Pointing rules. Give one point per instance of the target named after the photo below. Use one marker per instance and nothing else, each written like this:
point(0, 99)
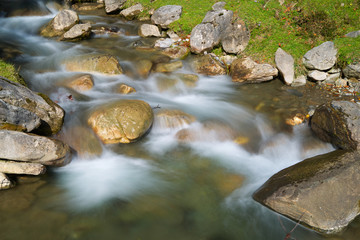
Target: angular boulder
point(352, 71)
point(105, 64)
point(208, 65)
point(112, 6)
point(321, 192)
point(317, 75)
point(80, 83)
point(18, 146)
point(322, 57)
point(165, 15)
point(21, 101)
point(62, 22)
point(285, 64)
point(77, 32)
point(236, 37)
point(28, 168)
point(248, 71)
point(149, 30)
point(131, 12)
point(176, 52)
point(123, 121)
point(338, 122)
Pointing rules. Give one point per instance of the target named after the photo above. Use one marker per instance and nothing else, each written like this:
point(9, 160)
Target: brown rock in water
point(321, 192)
point(208, 65)
point(12, 167)
point(168, 67)
point(189, 80)
point(247, 71)
point(172, 119)
point(80, 83)
point(62, 22)
point(125, 89)
point(105, 64)
point(123, 121)
point(338, 122)
point(177, 52)
point(5, 182)
point(143, 67)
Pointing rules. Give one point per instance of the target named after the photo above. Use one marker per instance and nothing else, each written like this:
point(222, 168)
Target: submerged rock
point(208, 65)
point(125, 89)
point(19, 102)
point(338, 122)
point(5, 182)
point(105, 64)
point(248, 71)
point(322, 57)
point(25, 147)
point(62, 22)
point(165, 15)
point(80, 83)
point(168, 67)
point(123, 121)
point(321, 192)
point(172, 119)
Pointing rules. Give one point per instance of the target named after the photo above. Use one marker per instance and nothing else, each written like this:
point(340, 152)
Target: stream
point(156, 188)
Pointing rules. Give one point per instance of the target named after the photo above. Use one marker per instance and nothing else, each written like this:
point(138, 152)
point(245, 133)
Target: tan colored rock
point(144, 67)
point(208, 65)
point(105, 64)
point(248, 71)
point(78, 32)
point(177, 52)
point(149, 30)
point(27, 168)
point(125, 89)
point(5, 182)
point(80, 82)
point(168, 67)
point(123, 121)
point(62, 22)
point(132, 12)
point(172, 119)
point(189, 80)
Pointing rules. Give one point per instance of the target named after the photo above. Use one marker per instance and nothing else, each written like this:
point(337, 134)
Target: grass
point(8, 71)
point(294, 27)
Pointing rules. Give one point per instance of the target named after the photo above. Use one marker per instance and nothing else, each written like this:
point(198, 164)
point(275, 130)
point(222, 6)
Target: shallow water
point(158, 187)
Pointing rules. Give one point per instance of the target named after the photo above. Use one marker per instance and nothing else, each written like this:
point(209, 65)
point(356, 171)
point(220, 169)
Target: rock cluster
point(23, 113)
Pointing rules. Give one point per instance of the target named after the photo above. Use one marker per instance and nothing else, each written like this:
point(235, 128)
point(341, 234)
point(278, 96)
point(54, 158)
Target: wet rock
point(285, 65)
point(168, 67)
point(113, 6)
point(236, 37)
point(165, 15)
point(208, 65)
point(209, 131)
point(27, 103)
point(338, 122)
point(125, 89)
point(28, 168)
point(5, 182)
point(87, 6)
point(248, 71)
point(132, 12)
point(25, 147)
point(189, 80)
point(353, 34)
point(143, 67)
point(123, 121)
point(149, 30)
point(165, 83)
point(322, 57)
point(62, 22)
point(163, 43)
point(105, 64)
point(317, 75)
point(177, 52)
point(321, 192)
point(172, 119)
point(299, 81)
point(80, 83)
point(77, 32)
point(352, 71)
point(295, 120)
point(228, 59)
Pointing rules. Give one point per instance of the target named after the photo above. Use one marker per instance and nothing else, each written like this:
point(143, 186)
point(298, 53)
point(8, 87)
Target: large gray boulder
point(338, 122)
point(112, 6)
point(132, 12)
point(247, 71)
point(352, 71)
point(78, 32)
point(165, 15)
point(18, 146)
point(285, 65)
point(62, 22)
point(321, 192)
point(24, 108)
point(322, 57)
point(209, 32)
point(236, 37)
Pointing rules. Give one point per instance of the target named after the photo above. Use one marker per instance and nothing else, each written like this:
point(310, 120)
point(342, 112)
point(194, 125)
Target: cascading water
point(159, 187)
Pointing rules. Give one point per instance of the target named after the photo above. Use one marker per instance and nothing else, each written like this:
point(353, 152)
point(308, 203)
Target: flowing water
point(158, 187)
